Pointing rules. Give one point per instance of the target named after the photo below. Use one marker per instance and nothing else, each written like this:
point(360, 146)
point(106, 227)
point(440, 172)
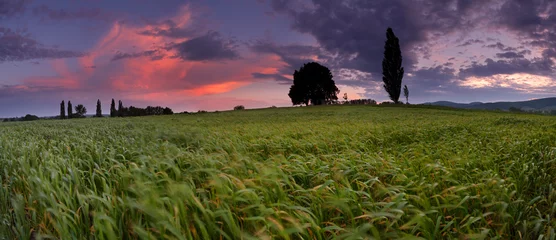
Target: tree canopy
point(313, 84)
point(392, 70)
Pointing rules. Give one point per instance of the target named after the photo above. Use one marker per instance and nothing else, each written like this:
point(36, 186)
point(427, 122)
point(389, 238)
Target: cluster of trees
point(122, 111)
point(80, 110)
point(361, 102)
point(27, 117)
point(132, 111)
point(313, 83)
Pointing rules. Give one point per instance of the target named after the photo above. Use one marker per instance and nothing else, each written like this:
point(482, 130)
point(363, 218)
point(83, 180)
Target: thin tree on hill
point(113, 109)
point(70, 110)
point(62, 110)
point(406, 94)
point(392, 70)
point(99, 109)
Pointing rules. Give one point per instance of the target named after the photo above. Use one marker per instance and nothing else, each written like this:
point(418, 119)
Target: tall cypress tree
point(392, 70)
point(62, 110)
point(99, 109)
point(70, 110)
point(113, 109)
point(120, 108)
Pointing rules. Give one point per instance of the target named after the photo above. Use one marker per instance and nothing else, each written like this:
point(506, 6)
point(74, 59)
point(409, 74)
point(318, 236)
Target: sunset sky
point(215, 54)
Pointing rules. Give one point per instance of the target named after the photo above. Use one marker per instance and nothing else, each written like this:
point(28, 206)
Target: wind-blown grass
point(343, 172)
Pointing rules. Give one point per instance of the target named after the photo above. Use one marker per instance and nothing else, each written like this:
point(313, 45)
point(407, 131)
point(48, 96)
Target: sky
point(216, 54)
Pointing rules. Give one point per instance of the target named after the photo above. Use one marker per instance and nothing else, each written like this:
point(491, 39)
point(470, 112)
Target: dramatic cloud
point(153, 54)
point(15, 46)
point(210, 46)
point(490, 67)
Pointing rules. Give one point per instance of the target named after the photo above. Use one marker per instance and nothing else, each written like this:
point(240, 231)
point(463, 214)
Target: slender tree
point(70, 110)
point(113, 109)
point(62, 110)
point(120, 108)
point(392, 70)
point(406, 94)
point(99, 109)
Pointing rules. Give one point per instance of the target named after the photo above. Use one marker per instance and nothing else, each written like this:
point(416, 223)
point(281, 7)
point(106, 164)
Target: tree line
point(121, 111)
point(313, 83)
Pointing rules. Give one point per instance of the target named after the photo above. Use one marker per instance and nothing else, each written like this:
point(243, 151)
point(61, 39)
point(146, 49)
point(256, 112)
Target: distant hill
point(537, 105)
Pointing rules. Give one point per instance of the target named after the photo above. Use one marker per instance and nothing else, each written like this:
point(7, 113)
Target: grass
point(332, 172)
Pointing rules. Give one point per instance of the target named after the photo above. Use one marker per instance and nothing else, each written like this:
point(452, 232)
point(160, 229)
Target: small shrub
point(239, 107)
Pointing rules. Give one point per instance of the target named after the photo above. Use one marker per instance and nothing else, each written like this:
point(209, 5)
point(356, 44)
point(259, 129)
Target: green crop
point(331, 172)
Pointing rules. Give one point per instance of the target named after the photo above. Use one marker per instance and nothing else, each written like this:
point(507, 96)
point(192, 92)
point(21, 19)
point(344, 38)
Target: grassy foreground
point(343, 172)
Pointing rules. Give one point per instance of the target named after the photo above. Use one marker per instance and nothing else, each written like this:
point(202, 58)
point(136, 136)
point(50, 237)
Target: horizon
point(213, 55)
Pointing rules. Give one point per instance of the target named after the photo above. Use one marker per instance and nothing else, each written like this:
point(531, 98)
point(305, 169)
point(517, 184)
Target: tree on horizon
point(62, 110)
point(313, 84)
point(99, 109)
point(80, 111)
point(113, 108)
point(392, 70)
point(120, 108)
point(70, 110)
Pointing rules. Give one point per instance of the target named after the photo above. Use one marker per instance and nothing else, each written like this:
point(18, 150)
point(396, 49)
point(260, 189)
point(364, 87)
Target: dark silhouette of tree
point(406, 94)
point(121, 110)
point(62, 110)
point(113, 109)
point(392, 70)
point(30, 117)
point(70, 110)
point(313, 84)
point(167, 111)
point(239, 107)
point(345, 97)
point(80, 111)
point(99, 109)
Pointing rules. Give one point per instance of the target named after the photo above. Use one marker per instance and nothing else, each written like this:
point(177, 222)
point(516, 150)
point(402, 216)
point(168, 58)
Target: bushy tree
point(392, 70)
point(313, 84)
point(239, 107)
point(62, 110)
point(80, 111)
point(113, 108)
point(70, 110)
point(99, 109)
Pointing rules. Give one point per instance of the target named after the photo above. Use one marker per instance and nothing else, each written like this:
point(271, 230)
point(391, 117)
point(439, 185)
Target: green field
point(331, 172)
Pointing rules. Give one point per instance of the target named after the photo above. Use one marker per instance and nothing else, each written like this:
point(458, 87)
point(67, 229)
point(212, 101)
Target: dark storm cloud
point(279, 78)
point(211, 46)
point(358, 27)
point(294, 56)
point(16, 46)
point(153, 54)
point(490, 67)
